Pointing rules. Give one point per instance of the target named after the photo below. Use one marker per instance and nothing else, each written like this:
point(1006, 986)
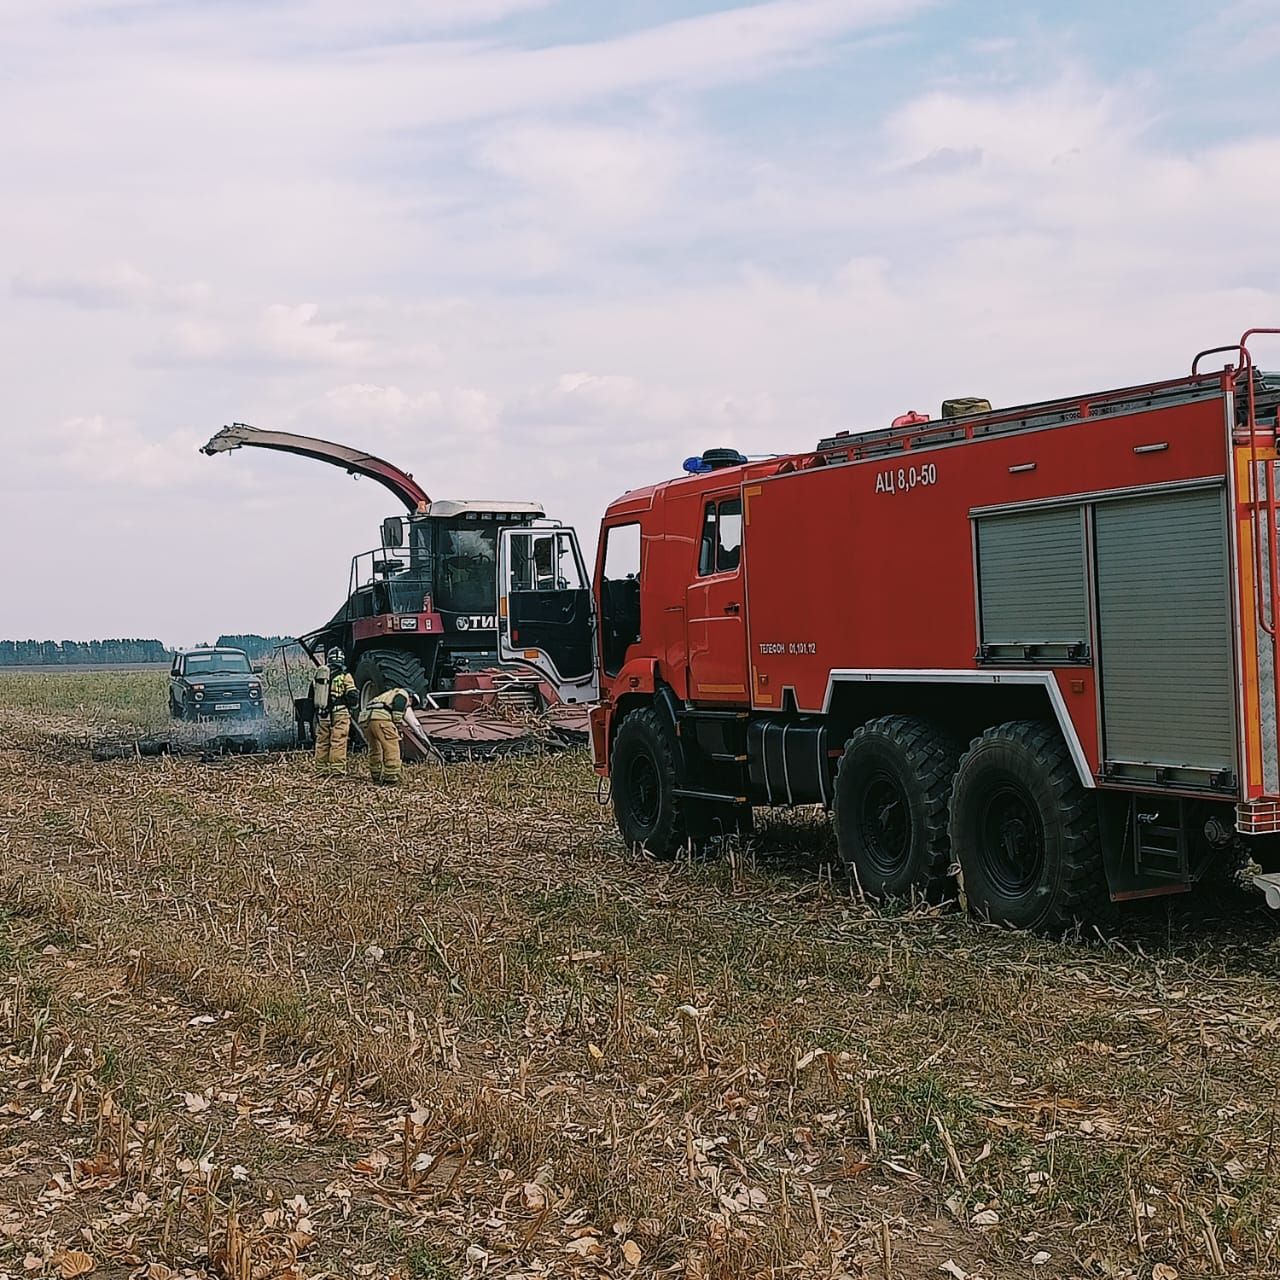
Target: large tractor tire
point(1025, 831)
point(645, 777)
point(378, 670)
point(890, 808)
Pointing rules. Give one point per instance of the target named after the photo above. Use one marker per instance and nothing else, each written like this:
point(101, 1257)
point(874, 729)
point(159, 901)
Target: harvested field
point(110, 712)
point(255, 1024)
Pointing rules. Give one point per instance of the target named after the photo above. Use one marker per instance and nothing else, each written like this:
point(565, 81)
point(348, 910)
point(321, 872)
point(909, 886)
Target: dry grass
point(475, 1036)
point(49, 711)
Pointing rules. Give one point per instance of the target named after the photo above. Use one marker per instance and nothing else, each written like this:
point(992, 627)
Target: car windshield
point(203, 664)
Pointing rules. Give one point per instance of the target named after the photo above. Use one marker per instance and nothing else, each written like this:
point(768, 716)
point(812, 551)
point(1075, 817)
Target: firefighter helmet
point(337, 660)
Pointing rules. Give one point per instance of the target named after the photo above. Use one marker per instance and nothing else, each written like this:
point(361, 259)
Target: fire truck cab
point(1026, 657)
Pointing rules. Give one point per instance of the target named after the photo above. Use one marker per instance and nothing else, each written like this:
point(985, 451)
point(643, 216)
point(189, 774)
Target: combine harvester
point(421, 613)
point(1026, 655)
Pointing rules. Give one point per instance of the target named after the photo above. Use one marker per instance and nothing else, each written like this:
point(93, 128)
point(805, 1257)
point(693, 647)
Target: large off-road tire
point(381, 669)
point(645, 777)
point(1025, 831)
point(890, 808)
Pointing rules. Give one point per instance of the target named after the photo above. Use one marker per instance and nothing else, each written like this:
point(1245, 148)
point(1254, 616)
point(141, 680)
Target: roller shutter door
point(1032, 581)
point(1164, 628)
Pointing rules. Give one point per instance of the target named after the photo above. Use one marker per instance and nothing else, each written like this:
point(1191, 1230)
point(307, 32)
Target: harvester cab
point(421, 607)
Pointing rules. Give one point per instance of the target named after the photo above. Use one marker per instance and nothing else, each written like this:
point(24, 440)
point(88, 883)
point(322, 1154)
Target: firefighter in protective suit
point(380, 723)
point(334, 694)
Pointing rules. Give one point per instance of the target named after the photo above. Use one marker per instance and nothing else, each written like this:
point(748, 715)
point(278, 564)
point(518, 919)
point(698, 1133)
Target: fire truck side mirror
point(393, 532)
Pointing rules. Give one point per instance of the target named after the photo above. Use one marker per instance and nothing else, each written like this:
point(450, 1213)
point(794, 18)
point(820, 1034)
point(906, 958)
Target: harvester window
point(568, 574)
point(545, 563)
point(721, 547)
point(467, 568)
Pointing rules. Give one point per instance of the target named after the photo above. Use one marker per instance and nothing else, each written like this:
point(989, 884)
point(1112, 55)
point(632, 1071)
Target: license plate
point(226, 706)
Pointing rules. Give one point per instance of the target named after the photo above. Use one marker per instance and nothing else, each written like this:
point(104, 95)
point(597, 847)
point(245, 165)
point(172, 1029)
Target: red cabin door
point(716, 606)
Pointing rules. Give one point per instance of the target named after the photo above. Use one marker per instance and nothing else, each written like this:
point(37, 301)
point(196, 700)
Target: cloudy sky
point(545, 249)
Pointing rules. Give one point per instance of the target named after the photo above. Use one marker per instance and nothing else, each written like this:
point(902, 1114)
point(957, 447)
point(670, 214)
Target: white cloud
point(103, 451)
point(633, 409)
point(320, 19)
point(589, 172)
point(1054, 133)
point(280, 336)
point(458, 415)
point(293, 333)
point(117, 286)
point(262, 102)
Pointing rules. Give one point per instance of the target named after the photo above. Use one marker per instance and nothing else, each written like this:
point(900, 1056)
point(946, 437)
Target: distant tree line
point(257, 647)
point(89, 653)
point(52, 653)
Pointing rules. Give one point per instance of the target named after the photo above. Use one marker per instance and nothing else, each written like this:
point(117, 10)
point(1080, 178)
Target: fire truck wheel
point(890, 807)
point(648, 813)
point(1025, 831)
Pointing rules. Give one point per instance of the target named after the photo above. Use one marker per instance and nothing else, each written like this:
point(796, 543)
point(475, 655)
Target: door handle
point(732, 608)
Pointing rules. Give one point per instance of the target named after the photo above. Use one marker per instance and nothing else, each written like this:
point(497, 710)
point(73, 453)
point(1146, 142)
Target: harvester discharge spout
point(354, 461)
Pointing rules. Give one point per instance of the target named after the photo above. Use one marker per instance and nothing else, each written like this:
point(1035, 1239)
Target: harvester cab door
point(545, 609)
point(715, 605)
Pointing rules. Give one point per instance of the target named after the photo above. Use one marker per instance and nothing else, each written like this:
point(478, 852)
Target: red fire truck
point(1026, 655)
